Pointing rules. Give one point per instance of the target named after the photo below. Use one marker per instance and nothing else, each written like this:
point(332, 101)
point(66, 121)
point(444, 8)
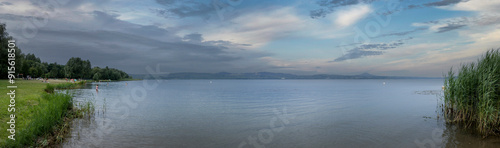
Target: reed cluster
point(472, 97)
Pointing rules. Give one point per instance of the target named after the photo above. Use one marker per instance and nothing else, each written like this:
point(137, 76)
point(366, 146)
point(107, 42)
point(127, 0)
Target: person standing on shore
point(97, 88)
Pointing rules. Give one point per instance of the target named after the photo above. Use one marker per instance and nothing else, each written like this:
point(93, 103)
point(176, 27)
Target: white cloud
point(477, 5)
point(19, 8)
point(262, 27)
point(351, 15)
point(257, 28)
point(434, 59)
point(477, 21)
point(484, 38)
point(485, 13)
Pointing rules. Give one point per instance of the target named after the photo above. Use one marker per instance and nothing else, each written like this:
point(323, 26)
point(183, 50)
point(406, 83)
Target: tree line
point(30, 65)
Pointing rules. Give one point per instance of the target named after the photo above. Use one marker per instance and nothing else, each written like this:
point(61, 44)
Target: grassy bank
point(40, 116)
point(472, 97)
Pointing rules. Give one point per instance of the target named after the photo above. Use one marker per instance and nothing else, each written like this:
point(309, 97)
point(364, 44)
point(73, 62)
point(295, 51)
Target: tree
point(86, 69)
point(33, 72)
point(77, 68)
point(55, 70)
point(97, 76)
point(4, 42)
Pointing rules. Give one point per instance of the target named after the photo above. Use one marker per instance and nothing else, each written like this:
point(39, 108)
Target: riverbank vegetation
point(472, 97)
point(50, 87)
point(42, 119)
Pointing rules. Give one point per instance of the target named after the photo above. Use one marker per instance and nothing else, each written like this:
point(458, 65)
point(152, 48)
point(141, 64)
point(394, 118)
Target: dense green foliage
point(30, 65)
point(4, 38)
point(77, 68)
point(473, 96)
point(108, 73)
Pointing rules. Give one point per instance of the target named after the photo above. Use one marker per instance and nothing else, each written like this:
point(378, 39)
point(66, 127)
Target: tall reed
point(472, 97)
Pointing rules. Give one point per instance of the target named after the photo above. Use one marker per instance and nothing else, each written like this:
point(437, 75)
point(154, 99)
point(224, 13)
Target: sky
point(380, 37)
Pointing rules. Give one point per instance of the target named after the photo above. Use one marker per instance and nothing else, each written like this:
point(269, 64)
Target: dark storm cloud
point(369, 50)
point(108, 41)
point(127, 51)
point(450, 27)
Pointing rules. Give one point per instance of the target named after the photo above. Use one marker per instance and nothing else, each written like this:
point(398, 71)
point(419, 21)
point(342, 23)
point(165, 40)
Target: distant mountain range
point(267, 75)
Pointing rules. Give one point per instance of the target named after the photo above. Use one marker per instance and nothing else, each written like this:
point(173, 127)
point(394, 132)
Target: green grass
point(472, 97)
point(38, 114)
point(27, 97)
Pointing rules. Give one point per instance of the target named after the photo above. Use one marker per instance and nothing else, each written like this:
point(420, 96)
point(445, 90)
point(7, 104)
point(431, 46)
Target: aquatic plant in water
point(472, 97)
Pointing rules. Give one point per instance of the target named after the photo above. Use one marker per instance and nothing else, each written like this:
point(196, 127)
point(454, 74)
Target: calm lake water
point(267, 113)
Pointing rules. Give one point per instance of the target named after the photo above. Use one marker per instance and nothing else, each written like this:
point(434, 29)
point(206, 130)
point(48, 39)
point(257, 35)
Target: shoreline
point(42, 119)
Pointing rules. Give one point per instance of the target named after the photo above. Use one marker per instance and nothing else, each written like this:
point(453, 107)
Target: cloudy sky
point(382, 37)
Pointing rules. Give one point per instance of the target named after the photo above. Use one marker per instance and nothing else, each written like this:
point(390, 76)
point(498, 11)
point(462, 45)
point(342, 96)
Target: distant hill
point(267, 75)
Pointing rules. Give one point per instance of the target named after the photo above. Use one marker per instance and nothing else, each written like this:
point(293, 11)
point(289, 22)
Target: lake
point(268, 113)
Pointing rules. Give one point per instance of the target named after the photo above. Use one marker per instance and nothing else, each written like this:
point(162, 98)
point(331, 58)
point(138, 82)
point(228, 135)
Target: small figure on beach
point(97, 88)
